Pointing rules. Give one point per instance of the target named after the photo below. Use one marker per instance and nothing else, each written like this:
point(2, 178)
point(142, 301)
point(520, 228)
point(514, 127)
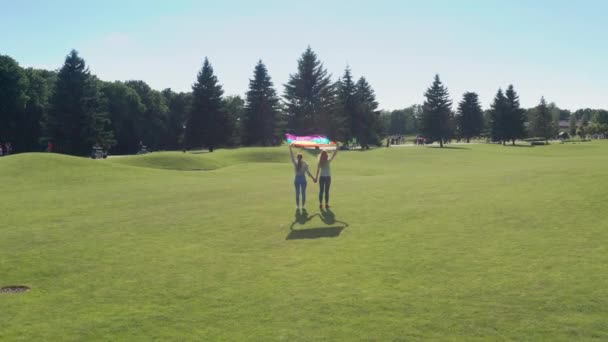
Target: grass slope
point(202, 161)
point(476, 243)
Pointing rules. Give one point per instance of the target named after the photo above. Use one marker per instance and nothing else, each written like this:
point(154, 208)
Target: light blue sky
point(553, 48)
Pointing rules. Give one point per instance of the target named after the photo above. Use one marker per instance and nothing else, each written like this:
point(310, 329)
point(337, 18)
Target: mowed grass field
point(479, 242)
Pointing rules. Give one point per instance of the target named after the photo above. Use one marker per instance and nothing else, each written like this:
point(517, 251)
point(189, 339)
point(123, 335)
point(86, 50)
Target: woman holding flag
point(325, 179)
point(301, 169)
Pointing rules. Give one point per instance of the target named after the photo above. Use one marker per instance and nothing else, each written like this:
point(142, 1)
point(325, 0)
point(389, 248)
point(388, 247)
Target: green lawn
point(479, 242)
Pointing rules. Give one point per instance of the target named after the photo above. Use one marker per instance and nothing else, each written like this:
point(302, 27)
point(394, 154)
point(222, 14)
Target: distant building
point(564, 125)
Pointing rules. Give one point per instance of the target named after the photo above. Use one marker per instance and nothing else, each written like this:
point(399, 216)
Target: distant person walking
point(301, 170)
point(323, 167)
point(49, 147)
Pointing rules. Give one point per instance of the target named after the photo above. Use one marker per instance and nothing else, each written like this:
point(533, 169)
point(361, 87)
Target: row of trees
point(75, 110)
point(585, 122)
point(504, 122)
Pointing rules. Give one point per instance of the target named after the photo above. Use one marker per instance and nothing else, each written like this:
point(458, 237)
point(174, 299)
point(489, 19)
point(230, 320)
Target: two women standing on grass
point(325, 178)
point(301, 170)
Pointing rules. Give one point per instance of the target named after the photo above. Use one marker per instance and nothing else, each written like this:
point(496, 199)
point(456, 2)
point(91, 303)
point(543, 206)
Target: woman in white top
point(325, 179)
point(301, 169)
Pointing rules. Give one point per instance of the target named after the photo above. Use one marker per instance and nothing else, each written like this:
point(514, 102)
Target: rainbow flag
point(309, 141)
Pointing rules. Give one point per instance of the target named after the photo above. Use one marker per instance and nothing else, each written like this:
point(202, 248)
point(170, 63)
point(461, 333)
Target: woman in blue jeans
point(301, 169)
point(325, 179)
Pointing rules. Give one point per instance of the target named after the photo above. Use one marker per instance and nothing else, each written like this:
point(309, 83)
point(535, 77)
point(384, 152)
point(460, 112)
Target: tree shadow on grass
point(450, 147)
point(518, 145)
point(333, 229)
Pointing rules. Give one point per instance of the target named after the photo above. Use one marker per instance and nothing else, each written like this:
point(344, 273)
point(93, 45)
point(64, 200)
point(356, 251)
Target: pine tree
point(346, 105)
point(572, 125)
point(470, 116)
point(366, 125)
point(437, 114)
point(515, 117)
point(498, 117)
point(262, 124)
point(77, 119)
point(542, 124)
point(13, 99)
point(309, 97)
point(207, 123)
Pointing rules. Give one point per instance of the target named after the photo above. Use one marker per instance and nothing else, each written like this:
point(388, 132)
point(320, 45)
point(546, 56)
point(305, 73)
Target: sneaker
point(327, 206)
point(320, 206)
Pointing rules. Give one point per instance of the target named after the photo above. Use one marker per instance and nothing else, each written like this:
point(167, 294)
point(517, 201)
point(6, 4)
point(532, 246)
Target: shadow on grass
point(333, 229)
point(450, 147)
point(518, 145)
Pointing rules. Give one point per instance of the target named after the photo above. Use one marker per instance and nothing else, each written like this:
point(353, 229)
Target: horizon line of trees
point(75, 110)
point(504, 122)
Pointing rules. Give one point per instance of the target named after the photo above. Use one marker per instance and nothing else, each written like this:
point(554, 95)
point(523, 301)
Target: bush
point(530, 140)
point(536, 142)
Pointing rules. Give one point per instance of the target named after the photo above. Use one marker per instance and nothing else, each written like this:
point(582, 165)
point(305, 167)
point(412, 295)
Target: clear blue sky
point(553, 48)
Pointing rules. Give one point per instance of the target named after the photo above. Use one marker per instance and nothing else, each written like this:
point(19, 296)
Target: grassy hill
point(471, 243)
point(203, 161)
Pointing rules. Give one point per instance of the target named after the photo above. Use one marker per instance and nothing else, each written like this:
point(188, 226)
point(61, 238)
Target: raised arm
point(335, 152)
point(293, 160)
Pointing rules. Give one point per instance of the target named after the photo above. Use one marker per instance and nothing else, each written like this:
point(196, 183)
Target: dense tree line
point(75, 110)
point(401, 121)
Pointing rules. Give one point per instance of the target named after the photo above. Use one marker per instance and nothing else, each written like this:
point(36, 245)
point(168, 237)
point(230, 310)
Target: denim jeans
point(300, 184)
point(324, 183)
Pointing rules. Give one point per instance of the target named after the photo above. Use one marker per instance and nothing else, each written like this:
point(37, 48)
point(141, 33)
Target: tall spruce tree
point(77, 119)
point(542, 124)
point(469, 117)
point(13, 98)
point(207, 122)
point(498, 117)
point(346, 105)
point(515, 117)
point(436, 120)
point(366, 125)
point(263, 124)
point(310, 98)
